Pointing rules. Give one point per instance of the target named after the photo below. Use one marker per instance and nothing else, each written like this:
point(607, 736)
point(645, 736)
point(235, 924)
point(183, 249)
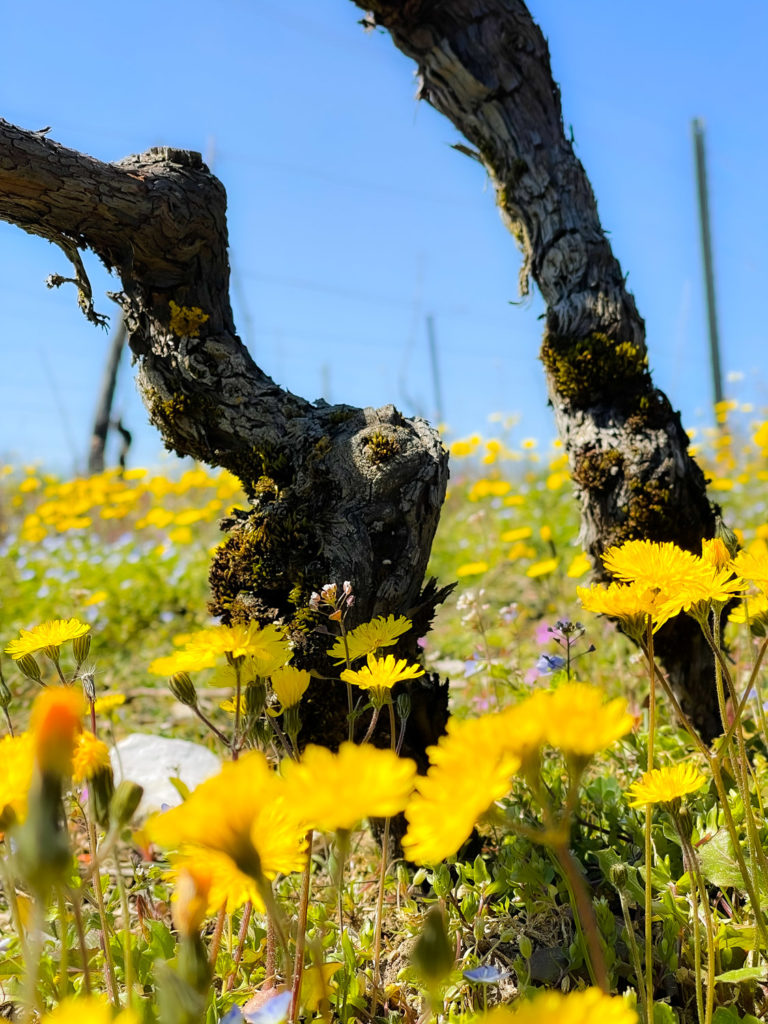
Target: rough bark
point(336, 493)
point(485, 65)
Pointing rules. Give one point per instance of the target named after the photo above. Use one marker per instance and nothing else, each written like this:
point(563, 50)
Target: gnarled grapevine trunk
point(337, 493)
point(485, 65)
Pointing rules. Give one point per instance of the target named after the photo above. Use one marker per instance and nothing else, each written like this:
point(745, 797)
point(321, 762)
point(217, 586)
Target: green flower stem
point(634, 953)
point(236, 663)
point(379, 915)
point(242, 935)
point(584, 915)
point(342, 848)
point(648, 854)
point(213, 950)
point(127, 936)
point(372, 726)
point(350, 700)
point(691, 862)
point(285, 743)
point(269, 960)
point(9, 886)
point(757, 857)
point(301, 932)
point(109, 966)
point(681, 715)
point(217, 732)
point(751, 682)
point(382, 876)
point(31, 999)
point(8, 722)
point(64, 946)
point(738, 852)
point(75, 903)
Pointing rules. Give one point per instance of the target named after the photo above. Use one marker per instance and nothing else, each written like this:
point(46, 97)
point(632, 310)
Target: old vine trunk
point(336, 493)
point(485, 65)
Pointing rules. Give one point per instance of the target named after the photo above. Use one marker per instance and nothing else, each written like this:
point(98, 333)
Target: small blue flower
point(485, 975)
point(274, 1011)
point(548, 663)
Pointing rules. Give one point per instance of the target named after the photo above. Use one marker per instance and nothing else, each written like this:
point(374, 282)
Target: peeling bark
point(337, 493)
point(485, 65)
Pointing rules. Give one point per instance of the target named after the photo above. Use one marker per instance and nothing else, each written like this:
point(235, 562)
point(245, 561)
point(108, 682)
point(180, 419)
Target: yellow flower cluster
point(132, 498)
point(659, 581)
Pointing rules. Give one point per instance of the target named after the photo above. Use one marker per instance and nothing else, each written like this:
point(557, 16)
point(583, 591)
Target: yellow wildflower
point(189, 902)
point(289, 685)
point(715, 553)
point(631, 603)
point(182, 661)
point(471, 569)
point(230, 706)
point(334, 791)
point(589, 1006)
point(470, 769)
point(17, 759)
point(381, 674)
point(578, 721)
point(753, 566)
point(267, 647)
point(47, 637)
point(580, 565)
point(90, 757)
point(368, 637)
point(87, 1010)
point(665, 785)
point(229, 887)
point(109, 702)
point(543, 568)
point(241, 812)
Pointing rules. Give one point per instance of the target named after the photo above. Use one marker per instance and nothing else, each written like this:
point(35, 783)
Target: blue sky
point(351, 219)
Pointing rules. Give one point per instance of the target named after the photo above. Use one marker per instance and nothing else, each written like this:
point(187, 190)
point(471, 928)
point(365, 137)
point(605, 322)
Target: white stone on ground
point(152, 761)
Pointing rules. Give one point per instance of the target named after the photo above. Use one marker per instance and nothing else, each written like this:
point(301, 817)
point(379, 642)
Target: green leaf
point(180, 786)
point(664, 1014)
point(719, 863)
point(742, 974)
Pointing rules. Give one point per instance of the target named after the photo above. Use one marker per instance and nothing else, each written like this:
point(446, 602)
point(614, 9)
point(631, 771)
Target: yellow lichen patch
point(186, 321)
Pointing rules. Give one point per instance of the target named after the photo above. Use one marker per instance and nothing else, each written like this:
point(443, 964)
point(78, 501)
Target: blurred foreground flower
point(336, 791)
point(17, 759)
point(590, 1006)
point(241, 812)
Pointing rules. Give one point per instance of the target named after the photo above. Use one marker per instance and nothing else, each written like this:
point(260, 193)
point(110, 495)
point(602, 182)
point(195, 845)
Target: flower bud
point(183, 689)
point(5, 694)
point(29, 667)
point(619, 876)
point(403, 705)
point(89, 686)
point(125, 800)
point(727, 536)
point(81, 645)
